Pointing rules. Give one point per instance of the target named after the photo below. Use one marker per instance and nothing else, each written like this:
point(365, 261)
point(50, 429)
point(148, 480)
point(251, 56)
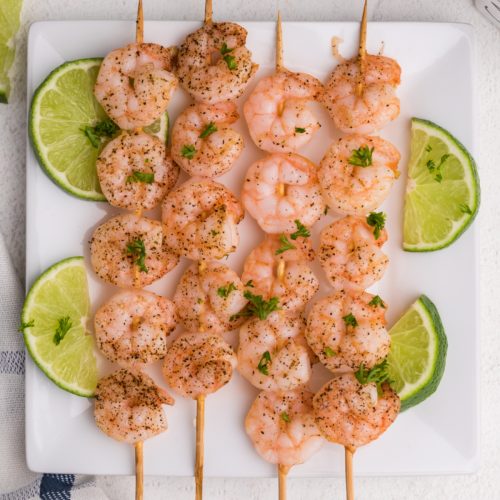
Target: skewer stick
point(282, 473)
point(139, 30)
point(139, 471)
point(200, 428)
point(362, 51)
point(279, 44)
point(349, 482)
point(208, 11)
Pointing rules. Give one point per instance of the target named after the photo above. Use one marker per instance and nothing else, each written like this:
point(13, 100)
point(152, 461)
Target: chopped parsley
point(428, 148)
point(329, 352)
point(208, 130)
point(225, 49)
point(285, 245)
point(377, 221)
point(106, 128)
point(300, 130)
point(230, 60)
point(257, 306)
point(147, 178)
point(188, 151)
point(350, 320)
point(361, 157)
point(63, 327)
point(464, 208)
point(23, 326)
point(302, 231)
point(137, 250)
point(285, 417)
point(249, 284)
point(377, 375)
point(377, 302)
point(436, 169)
point(224, 291)
point(264, 362)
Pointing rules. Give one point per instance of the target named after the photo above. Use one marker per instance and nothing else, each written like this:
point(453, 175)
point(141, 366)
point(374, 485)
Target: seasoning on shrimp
point(205, 154)
point(132, 327)
point(135, 84)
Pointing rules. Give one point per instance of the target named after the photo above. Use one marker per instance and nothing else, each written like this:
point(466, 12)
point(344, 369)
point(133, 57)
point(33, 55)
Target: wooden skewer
point(282, 473)
point(208, 11)
point(362, 51)
point(139, 30)
point(349, 482)
point(200, 428)
point(139, 471)
point(279, 44)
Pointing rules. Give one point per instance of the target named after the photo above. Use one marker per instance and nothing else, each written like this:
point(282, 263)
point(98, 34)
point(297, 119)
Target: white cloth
point(13, 474)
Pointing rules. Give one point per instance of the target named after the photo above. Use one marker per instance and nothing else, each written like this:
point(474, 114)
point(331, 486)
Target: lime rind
point(41, 151)
point(432, 190)
point(413, 393)
point(77, 341)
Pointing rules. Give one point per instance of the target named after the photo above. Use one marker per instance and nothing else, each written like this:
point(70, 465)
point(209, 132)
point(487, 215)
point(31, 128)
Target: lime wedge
point(159, 128)
point(10, 11)
point(53, 321)
point(418, 353)
point(442, 194)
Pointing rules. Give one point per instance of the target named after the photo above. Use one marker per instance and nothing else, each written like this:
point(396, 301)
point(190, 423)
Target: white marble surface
point(485, 485)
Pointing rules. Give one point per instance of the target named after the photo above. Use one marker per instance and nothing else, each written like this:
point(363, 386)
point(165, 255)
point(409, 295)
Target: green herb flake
point(302, 231)
point(224, 291)
point(377, 375)
point(350, 320)
point(329, 352)
point(361, 157)
point(225, 49)
point(137, 250)
point(285, 417)
point(249, 284)
point(285, 245)
point(257, 306)
point(464, 208)
point(231, 62)
point(377, 302)
point(208, 130)
point(436, 169)
point(147, 178)
point(23, 326)
point(300, 130)
point(106, 128)
point(377, 221)
point(188, 151)
point(428, 148)
point(63, 327)
point(263, 365)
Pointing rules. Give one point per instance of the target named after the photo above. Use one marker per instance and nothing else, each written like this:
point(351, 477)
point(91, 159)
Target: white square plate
point(440, 435)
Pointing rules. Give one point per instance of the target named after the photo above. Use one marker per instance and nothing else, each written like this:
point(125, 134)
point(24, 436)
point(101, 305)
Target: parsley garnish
point(361, 157)
point(63, 327)
point(257, 306)
point(377, 375)
point(263, 363)
point(106, 128)
point(225, 49)
point(285, 245)
point(350, 320)
point(230, 60)
point(329, 352)
point(465, 209)
point(301, 232)
point(137, 249)
point(224, 291)
point(188, 151)
point(23, 326)
point(300, 130)
point(214, 233)
point(428, 148)
point(377, 301)
point(377, 221)
point(285, 417)
point(147, 178)
point(208, 130)
point(436, 169)
point(249, 284)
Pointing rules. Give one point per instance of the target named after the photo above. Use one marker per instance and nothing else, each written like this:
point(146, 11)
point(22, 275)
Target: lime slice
point(54, 320)
point(159, 128)
point(10, 11)
point(418, 353)
point(442, 194)
point(62, 107)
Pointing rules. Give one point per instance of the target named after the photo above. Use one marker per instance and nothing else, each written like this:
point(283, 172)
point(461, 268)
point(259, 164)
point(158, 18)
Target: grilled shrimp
point(347, 330)
point(357, 173)
point(135, 84)
point(352, 414)
point(213, 64)
point(132, 328)
point(135, 171)
point(128, 406)
point(130, 251)
point(280, 189)
point(208, 297)
point(375, 107)
point(198, 364)
point(350, 253)
point(273, 354)
point(200, 218)
point(203, 143)
point(282, 428)
point(285, 275)
point(277, 113)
